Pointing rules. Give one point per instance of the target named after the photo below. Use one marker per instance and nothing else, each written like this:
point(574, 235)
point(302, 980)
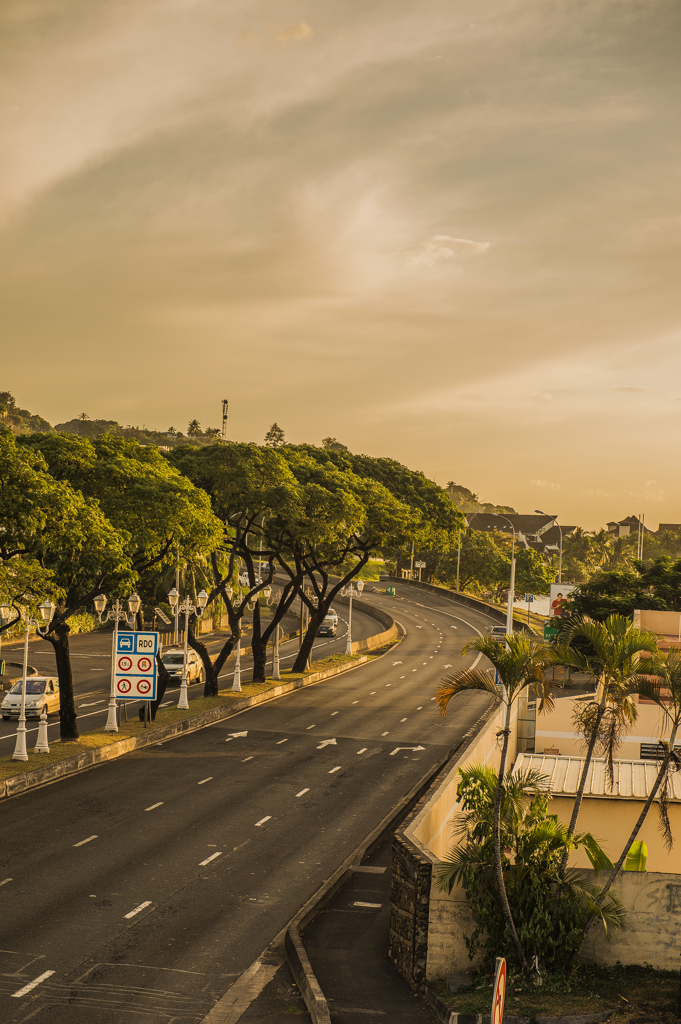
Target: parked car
point(42, 694)
point(329, 627)
point(245, 582)
point(498, 633)
point(173, 661)
point(384, 577)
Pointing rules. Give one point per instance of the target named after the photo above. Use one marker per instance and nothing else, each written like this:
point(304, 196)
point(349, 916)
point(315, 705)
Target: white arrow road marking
point(32, 984)
point(397, 750)
point(137, 909)
point(453, 627)
point(397, 663)
point(448, 666)
point(236, 735)
point(81, 843)
point(203, 863)
point(327, 743)
point(419, 627)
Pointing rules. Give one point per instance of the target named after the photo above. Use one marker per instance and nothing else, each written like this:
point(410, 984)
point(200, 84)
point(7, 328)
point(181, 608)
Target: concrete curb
point(88, 759)
point(296, 953)
point(449, 1016)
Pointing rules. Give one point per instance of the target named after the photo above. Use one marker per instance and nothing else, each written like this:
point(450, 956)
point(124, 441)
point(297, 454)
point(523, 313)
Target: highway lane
point(91, 663)
point(149, 884)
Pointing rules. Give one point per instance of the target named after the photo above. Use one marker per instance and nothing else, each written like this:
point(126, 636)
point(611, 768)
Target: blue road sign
point(135, 666)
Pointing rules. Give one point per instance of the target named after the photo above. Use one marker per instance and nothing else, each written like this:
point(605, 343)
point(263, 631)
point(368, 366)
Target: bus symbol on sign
point(135, 668)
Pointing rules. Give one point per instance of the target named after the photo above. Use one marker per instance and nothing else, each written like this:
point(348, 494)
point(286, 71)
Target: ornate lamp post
point(46, 610)
point(116, 614)
point(188, 608)
point(349, 591)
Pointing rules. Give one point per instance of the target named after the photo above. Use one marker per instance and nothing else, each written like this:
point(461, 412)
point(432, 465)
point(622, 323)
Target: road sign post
point(499, 991)
point(135, 666)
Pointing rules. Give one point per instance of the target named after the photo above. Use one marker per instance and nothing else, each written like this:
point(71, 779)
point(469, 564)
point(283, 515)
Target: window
point(654, 751)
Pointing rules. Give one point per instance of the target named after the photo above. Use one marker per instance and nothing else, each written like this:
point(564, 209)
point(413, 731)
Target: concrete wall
point(371, 643)
point(667, 623)
point(653, 932)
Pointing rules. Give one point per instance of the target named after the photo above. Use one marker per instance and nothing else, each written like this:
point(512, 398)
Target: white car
point(42, 694)
point(329, 627)
point(174, 660)
point(245, 582)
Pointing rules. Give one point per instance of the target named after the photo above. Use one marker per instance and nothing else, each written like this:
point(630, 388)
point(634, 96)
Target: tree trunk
point(496, 834)
point(161, 687)
point(59, 638)
point(211, 669)
point(316, 619)
point(580, 792)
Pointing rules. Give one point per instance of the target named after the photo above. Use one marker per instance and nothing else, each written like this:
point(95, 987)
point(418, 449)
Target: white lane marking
point(336, 769)
point(327, 743)
point(433, 698)
point(431, 658)
point(82, 842)
point(137, 909)
point(397, 663)
point(414, 670)
point(373, 692)
point(311, 727)
point(236, 735)
point(374, 906)
point(453, 627)
point(262, 821)
point(333, 713)
point(32, 984)
point(279, 742)
point(419, 627)
point(91, 704)
point(420, 709)
point(355, 702)
point(248, 759)
point(203, 863)
point(167, 704)
point(384, 734)
point(425, 662)
point(388, 684)
point(362, 751)
point(397, 750)
point(204, 780)
point(403, 677)
point(154, 806)
point(5, 881)
point(403, 719)
point(303, 792)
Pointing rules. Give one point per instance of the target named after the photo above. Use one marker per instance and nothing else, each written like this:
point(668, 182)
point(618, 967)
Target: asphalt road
point(91, 667)
point(140, 890)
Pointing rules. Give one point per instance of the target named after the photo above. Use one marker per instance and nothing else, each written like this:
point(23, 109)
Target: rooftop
point(633, 779)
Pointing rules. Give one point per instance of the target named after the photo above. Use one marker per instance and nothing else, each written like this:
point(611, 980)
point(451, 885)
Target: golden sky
point(445, 231)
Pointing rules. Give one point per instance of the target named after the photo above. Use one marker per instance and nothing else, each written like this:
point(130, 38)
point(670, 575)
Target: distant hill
point(466, 501)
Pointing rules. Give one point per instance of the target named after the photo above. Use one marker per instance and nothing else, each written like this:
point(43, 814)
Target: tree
point(532, 841)
point(532, 574)
point(611, 652)
point(194, 428)
point(520, 663)
point(332, 444)
point(275, 437)
point(482, 562)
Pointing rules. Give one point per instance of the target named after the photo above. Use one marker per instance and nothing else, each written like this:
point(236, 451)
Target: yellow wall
point(555, 730)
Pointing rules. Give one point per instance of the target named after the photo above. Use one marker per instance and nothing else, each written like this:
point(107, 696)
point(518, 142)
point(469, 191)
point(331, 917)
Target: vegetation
point(550, 911)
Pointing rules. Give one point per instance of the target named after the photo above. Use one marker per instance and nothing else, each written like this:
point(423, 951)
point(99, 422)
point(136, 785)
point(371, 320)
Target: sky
point(444, 232)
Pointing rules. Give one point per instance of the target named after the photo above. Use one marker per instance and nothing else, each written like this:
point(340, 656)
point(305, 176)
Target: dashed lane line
point(263, 820)
point(362, 751)
point(303, 792)
point(32, 984)
point(137, 910)
point(204, 780)
point(336, 769)
point(154, 806)
point(279, 742)
point(81, 843)
point(203, 863)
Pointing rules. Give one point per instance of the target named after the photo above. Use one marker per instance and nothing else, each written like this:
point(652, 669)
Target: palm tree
point(611, 652)
point(519, 663)
point(665, 690)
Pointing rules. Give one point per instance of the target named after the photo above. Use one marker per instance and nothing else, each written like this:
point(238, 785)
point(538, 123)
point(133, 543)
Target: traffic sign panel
point(135, 666)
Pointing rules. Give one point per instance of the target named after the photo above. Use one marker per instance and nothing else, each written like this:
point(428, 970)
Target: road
point(140, 890)
point(91, 667)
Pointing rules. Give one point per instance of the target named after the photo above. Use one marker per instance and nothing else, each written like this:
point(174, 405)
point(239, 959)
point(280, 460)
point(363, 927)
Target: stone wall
point(409, 908)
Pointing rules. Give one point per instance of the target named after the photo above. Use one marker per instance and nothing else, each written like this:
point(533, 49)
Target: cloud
point(598, 492)
point(285, 34)
point(649, 492)
point(545, 485)
point(633, 388)
point(442, 248)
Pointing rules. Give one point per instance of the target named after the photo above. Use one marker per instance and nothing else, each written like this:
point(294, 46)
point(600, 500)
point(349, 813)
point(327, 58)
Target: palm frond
point(467, 679)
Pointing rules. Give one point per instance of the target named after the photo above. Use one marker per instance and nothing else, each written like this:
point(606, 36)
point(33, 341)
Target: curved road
point(140, 890)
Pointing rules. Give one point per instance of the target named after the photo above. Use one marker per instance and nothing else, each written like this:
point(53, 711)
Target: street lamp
point(560, 551)
point(46, 609)
point(188, 608)
point(349, 591)
point(511, 589)
point(116, 614)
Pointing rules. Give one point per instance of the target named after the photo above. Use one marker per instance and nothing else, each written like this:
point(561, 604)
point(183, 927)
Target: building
point(535, 531)
point(626, 527)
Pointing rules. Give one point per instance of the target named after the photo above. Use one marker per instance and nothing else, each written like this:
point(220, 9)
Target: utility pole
point(225, 408)
point(411, 570)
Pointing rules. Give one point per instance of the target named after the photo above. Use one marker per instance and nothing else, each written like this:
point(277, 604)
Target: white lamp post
point(349, 591)
point(116, 613)
point(46, 610)
point(189, 608)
